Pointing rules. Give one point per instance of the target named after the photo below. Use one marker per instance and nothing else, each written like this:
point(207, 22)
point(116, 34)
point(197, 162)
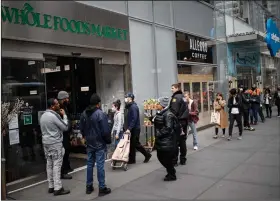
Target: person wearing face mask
point(277, 100)
point(117, 130)
point(63, 99)
point(133, 127)
point(235, 106)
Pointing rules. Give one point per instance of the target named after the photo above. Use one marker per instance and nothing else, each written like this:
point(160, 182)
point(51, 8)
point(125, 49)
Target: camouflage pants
point(54, 156)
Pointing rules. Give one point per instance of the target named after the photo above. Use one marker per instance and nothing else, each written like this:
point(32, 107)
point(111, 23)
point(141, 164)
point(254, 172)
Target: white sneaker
point(195, 148)
point(239, 138)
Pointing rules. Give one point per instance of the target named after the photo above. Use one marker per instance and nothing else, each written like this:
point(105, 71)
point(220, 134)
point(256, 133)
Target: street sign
point(27, 119)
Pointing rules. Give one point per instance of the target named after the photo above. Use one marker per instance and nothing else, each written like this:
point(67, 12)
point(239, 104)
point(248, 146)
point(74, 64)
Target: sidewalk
point(247, 169)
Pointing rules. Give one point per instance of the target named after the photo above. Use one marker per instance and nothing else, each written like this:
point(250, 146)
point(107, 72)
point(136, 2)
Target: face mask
point(126, 100)
point(114, 109)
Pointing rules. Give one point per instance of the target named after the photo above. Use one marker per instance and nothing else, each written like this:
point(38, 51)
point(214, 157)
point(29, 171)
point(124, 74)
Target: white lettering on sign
point(275, 38)
point(198, 45)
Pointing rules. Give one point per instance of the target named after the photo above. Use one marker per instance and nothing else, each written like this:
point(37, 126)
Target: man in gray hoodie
point(52, 127)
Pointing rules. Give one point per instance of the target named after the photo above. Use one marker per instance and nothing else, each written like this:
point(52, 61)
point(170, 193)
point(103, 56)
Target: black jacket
point(277, 98)
point(245, 99)
point(238, 103)
point(179, 107)
point(66, 134)
point(167, 131)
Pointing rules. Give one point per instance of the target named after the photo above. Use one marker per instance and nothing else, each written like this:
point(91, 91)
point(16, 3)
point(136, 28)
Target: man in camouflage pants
point(52, 127)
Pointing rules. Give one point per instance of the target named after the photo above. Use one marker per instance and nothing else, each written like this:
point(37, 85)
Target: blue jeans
point(194, 132)
point(255, 112)
point(97, 156)
point(118, 140)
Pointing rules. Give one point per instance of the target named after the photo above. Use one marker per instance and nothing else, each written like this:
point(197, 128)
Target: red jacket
point(194, 112)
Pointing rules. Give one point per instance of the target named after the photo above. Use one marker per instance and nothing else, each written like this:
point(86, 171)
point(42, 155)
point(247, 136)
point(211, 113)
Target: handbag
point(215, 118)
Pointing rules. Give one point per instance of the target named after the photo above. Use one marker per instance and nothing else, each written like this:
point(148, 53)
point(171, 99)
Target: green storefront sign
point(27, 16)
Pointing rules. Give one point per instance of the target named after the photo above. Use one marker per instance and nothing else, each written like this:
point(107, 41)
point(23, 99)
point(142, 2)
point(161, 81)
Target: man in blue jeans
point(94, 126)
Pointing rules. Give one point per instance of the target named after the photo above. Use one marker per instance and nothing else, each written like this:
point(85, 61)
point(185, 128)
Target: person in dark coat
point(268, 102)
point(63, 99)
point(235, 109)
point(277, 100)
point(178, 107)
point(166, 129)
point(245, 99)
point(133, 127)
point(95, 128)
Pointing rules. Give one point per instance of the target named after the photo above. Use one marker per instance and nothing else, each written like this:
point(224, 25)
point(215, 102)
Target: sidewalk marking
point(41, 182)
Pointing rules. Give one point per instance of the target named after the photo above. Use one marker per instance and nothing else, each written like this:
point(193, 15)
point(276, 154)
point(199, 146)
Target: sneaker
point(246, 128)
point(229, 138)
point(223, 136)
point(251, 129)
point(61, 192)
point(66, 176)
point(183, 162)
point(104, 191)
point(147, 158)
point(239, 138)
point(51, 190)
point(89, 189)
point(195, 148)
point(170, 178)
point(215, 136)
point(278, 116)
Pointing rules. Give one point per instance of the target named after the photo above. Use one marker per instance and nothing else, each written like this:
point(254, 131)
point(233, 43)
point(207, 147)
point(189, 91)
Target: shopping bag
point(215, 118)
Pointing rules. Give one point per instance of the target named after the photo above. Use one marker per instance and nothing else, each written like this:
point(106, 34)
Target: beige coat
point(219, 107)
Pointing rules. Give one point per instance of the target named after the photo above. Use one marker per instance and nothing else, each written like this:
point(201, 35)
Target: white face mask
point(126, 100)
point(114, 109)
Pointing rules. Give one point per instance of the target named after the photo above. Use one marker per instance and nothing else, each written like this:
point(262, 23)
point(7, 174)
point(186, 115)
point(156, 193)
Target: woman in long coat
point(219, 106)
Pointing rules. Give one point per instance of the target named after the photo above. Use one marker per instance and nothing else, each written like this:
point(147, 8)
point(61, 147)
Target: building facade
point(113, 47)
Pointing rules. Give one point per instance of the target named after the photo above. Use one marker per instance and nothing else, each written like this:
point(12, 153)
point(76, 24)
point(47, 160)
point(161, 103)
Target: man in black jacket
point(166, 129)
point(245, 99)
point(179, 108)
point(63, 99)
point(235, 109)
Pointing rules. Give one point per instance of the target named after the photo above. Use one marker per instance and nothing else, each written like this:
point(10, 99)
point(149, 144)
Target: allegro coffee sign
point(27, 16)
point(199, 47)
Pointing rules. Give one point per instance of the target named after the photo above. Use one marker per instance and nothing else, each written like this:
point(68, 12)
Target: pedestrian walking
point(95, 128)
point(193, 118)
point(219, 106)
point(268, 102)
point(133, 127)
point(235, 105)
point(117, 130)
point(260, 111)
point(63, 99)
point(166, 132)
point(179, 108)
point(277, 100)
point(52, 127)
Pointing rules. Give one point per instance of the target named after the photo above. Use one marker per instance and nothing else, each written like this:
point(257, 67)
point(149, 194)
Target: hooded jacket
point(167, 130)
point(95, 128)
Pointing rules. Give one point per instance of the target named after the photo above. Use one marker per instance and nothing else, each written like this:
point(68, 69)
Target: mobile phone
point(147, 114)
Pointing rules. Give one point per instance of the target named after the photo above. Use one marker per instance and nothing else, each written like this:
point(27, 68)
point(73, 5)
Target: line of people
point(244, 104)
point(177, 115)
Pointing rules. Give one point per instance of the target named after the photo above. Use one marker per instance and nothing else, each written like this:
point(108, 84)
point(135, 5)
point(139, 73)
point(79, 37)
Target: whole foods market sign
point(29, 17)
point(68, 22)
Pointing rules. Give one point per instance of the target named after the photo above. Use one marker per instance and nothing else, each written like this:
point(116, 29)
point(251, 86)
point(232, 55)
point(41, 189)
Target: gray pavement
point(219, 170)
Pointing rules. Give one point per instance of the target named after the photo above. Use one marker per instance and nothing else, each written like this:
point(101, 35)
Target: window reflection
point(23, 79)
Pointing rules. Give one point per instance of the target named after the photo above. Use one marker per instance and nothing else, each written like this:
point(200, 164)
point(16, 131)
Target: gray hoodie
point(52, 127)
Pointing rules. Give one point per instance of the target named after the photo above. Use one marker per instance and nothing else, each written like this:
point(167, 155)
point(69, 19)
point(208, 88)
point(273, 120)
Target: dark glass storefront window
point(24, 79)
point(193, 49)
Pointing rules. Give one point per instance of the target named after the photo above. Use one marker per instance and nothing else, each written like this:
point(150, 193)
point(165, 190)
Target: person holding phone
point(52, 127)
point(219, 106)
point(117, 130)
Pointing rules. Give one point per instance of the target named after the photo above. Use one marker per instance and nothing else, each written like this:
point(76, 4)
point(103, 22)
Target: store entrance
point(77, 77)
point(246, 76)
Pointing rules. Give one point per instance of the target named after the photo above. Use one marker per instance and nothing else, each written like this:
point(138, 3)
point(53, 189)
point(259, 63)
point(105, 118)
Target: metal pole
point(3, 171)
